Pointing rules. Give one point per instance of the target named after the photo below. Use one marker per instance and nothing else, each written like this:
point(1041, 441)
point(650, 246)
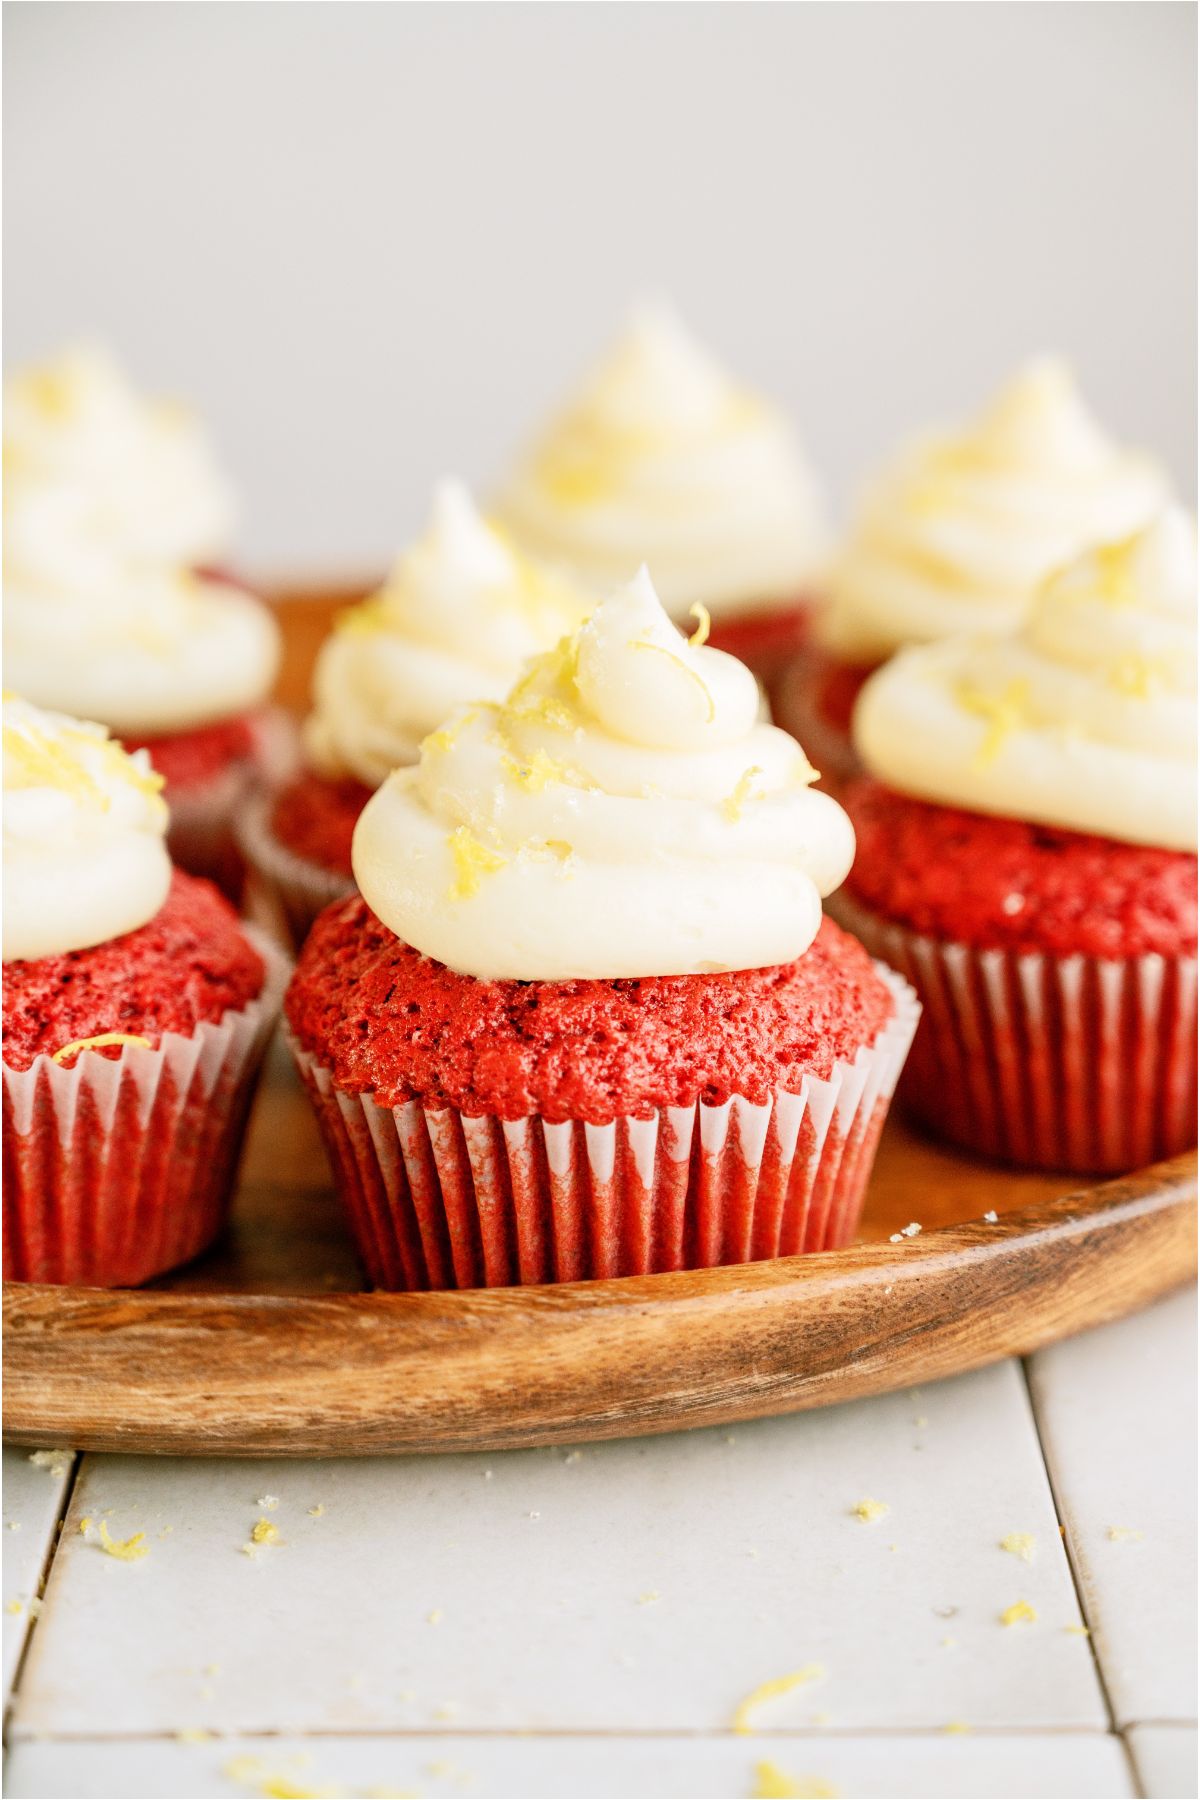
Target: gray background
point(376, 242)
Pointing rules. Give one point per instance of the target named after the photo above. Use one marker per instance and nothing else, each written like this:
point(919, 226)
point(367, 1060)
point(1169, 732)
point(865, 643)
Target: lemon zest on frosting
point(537, 772)
point(1019, 1613)
point(1135, 676)
point(130, 1549)
point(660, 650)
point(471, 861)
point(732, 804)
point(100, 1042)
point(771, 1690)
point(1003, 713)
point(446, 736)
point(703, 629)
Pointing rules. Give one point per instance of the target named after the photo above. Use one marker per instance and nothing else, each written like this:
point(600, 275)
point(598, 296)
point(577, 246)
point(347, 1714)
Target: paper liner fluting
point(118, 1169)
point(286, 893)
point(1057, 1062)
point(439, 1199)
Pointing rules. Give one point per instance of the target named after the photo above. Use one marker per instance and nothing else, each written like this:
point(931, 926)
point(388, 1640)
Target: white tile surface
point(539, 1576)
point(1087, 1765)
point(1117, 1413)
point(33, 1501)
point(1164, 1757)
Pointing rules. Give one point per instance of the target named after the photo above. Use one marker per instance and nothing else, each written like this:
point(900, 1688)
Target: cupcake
point(664, 458)
point(956, 536)
point(455, 621)
point(1027, 839)
point(136, 1013)
point(114, 518)
point(585, 1017)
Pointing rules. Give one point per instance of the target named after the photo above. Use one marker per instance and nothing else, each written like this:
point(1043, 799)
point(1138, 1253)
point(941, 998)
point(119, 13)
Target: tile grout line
point(1068, 1551)
point(334, 1734)
point(43, 1576)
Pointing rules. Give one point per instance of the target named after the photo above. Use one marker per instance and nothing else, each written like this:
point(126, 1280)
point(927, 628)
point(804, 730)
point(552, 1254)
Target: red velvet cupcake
point(664, 458)
point(957, 535)
point(456, 619)
point(585, 1018)
point(115, 516)
point(1040, 893)
point(136, 1013)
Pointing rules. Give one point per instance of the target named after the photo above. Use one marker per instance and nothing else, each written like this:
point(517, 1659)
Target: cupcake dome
point(586, 1017)
point(961, 531)
point(136, 1012)
point(1029, 862)
point(662, 458)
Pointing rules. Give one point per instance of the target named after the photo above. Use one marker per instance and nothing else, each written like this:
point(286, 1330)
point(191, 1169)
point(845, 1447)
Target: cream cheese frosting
point(1084, 719)
point(959, 533)
point(139, 472)
point(459, 615)
point(84, 853)
point(662, 458)
point(625, 813)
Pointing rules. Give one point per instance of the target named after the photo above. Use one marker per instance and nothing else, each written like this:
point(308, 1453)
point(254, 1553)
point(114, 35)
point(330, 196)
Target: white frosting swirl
point(105, 510)
point(140, 471)
point(458, 616)
point(1085, 719)
point(626, 813)
point(84, 852)
point(663, 459)
point(961, 531)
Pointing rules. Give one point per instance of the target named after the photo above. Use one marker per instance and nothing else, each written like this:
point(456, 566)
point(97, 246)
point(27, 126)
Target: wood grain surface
point(263, 1349)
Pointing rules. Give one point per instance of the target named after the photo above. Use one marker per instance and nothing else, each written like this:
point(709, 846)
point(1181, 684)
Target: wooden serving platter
point(269, 1347)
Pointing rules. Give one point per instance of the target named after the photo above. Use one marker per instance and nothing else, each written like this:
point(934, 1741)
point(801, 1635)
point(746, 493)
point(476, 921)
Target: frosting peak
point(459, 614)
point(959, 533)
point(1085, 719)
point(84, 824)
point(624, 813)
point(662, 457)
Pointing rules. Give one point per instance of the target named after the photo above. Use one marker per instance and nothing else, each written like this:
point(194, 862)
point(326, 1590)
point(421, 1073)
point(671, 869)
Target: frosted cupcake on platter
point(115, 519)
point(1027, 842)
point(664, 458)
point(957, 535)
point(585, 1017)
point(456, 619)
point(136, 1012)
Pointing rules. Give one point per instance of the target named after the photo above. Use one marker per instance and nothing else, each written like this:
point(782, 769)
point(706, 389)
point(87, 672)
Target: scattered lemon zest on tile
point(1077, 1631)
point(1020, 1543)
point(212, 1668)
point(446, 1710)
point(251, 1771)
point(1019, 1613)
point(317, 1511)
point(15, 1607)
point(773, 1783)
point(1125, 1534)
point(949, 1643)
point(772, 1690)
point(435, 1617)
point(165, 1532)
point(193, 1734)
point(85, 1524)
point(268, 1502)
point(264, 1532)
point(649, 1597)
point(130, 1549)
point(870, 1510)
point(957, 1728)
point(13, 1525)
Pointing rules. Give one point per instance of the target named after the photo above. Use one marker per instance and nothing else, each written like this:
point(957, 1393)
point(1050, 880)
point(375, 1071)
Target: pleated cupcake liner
point(437, 1198)
point(119, 1169)
point(285, 893)
point(1073, 1062)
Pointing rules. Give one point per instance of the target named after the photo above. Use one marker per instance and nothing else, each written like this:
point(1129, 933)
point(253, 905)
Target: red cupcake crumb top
point(763, 632)
point(383, 1017)
point(1006, 884)
point(191, 962)
point(315, 818)
point(193, 758)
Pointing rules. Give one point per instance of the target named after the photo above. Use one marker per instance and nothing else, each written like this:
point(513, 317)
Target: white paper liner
point(440, 1199)
point(1078, 1062)
point(118, 1169)
point(286, 892)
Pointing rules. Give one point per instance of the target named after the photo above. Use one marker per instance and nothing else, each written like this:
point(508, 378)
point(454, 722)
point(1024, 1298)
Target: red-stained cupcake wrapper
point(1073, 1062)
point(286, 892)
point(116, 1170)
point(438, 1199)
point(795, 706)
point(201, 835)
